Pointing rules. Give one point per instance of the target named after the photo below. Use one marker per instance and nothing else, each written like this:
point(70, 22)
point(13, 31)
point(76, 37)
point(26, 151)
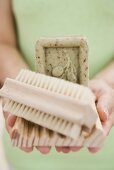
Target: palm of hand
point(105, 107)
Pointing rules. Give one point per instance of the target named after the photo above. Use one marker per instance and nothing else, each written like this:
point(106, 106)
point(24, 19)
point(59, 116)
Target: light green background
point(91, 18)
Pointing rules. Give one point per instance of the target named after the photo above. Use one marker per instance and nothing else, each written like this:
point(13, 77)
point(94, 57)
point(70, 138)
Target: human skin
point(102, 85)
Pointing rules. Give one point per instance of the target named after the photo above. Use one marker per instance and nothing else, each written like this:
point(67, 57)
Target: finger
point(44, 149)
point(27, 149)
point(93, 150)
point(58, 149)
point(108, 124)
point(66, 149)
point(103, 108)
point(77, 148)
point(11, 120)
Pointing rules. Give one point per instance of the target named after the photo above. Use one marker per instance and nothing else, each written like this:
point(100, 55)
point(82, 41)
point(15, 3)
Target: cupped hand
point(105, 107)
point(10, 121)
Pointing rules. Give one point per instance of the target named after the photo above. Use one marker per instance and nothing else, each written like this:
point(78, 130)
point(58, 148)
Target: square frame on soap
point(64, 42)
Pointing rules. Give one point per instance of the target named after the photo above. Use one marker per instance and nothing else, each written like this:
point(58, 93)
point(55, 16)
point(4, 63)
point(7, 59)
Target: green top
point(93, 19)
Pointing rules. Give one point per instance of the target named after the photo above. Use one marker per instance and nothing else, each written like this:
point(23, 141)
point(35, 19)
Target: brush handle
point(65, 107)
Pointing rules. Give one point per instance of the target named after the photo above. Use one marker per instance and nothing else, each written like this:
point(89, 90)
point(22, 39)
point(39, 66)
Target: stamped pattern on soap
point(63, 57)
point(62, 63)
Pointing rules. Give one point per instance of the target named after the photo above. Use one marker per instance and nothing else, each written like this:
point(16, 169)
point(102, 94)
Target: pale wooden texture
point(85, 125)
point(72, 98)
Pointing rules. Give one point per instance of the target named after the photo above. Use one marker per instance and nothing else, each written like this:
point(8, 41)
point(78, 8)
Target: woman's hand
point(10, 121)
point(105, 107)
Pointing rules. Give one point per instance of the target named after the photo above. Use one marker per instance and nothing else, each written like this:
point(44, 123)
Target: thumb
point(102, 108)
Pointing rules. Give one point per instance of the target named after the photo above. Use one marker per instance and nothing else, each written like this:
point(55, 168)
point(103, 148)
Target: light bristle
point(47, 120)
point(33, 135)
point(38, 117)
point(42, 81)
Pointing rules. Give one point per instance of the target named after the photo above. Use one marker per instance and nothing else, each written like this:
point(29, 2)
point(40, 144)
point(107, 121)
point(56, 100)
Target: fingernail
point(11, 120)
